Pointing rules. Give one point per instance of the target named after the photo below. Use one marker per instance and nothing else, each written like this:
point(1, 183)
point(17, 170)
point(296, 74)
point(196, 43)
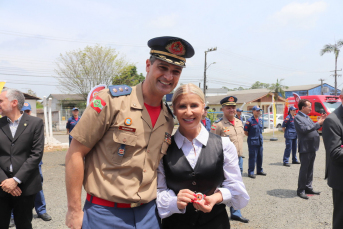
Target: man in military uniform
point(231, 127)
point(72, 121)
point(118, 143)
point(239, 114)
point(206, 121)
point(253, 129)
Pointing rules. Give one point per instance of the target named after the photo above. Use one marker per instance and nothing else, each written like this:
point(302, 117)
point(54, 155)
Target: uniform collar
point(137, 100)
point(227, 120)
point(202, 137)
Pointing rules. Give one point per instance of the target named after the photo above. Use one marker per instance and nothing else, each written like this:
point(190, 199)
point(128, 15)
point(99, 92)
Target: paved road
point(273, 203)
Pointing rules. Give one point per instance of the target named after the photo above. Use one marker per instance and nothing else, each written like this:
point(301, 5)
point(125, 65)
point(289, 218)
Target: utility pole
point(205, 68)
point(335, 75)
point(321, 87)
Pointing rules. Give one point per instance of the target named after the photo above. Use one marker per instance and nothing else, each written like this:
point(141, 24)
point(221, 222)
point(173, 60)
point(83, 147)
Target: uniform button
point(12, 144)
point(134, 104)
point(194, 183)
point(144, 170)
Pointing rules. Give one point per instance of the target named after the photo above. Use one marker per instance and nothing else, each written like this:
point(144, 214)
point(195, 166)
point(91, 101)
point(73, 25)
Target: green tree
point(335, 48)
point(80, 70)
point(277, 88)
point(31, 92)
point(259, 85)
point(129, 76)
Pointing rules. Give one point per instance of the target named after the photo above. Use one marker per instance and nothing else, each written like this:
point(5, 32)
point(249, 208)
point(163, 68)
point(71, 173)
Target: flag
point(94, 91)
point(2, 84)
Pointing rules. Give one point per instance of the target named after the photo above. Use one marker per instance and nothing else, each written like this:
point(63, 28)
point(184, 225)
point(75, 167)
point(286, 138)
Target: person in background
point(21, 150)
point(40, 205)
point(231, 127)
point(333, 141)
point(290, 138)
point(206, 121)
point(239, 114)
point(199, 175)
point(72, 121)
point(308, 145)
point(253, 129)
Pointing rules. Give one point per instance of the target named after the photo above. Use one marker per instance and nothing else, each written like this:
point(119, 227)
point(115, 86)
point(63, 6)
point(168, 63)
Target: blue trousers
point(40, 205)
point(144, 216)
point(233, 211)
point(291, 145)
point(255, 157)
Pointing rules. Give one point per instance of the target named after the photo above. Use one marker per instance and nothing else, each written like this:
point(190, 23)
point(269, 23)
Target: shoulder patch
point(98, 104)
point(119, 90)
point(287, 118)
point(218, 120)
point(170, 111)
point(247, 122)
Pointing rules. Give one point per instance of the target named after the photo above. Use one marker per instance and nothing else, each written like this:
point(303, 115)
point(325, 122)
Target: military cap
point(256, 108)
point(239, 110)
point(26, 107)
point(293, 108)
point(229, 101)
point(173, 50)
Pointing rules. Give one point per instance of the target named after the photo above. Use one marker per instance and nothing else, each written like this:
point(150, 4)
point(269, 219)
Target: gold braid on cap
point(168, 54)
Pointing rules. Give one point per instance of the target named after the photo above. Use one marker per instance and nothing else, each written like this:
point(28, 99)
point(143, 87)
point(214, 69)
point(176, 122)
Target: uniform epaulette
point(218, 120)
point(170, 111)
point(119, 90)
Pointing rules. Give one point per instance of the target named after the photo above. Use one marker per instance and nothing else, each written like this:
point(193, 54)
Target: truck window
point(318, 107)
point(332, 106)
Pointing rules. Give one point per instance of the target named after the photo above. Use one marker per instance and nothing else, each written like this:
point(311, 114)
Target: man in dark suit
point(308, 145)
point(21, 150)
point(333, 141)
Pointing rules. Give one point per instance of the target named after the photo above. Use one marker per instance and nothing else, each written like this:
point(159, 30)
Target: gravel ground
point(273, 200)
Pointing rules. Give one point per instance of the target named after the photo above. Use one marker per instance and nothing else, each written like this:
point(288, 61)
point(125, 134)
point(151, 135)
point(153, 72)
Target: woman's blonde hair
point(188, 89)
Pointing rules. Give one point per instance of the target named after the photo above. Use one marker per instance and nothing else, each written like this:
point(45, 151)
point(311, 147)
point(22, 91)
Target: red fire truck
point(320, 104)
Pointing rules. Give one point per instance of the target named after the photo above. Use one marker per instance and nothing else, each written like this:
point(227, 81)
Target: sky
point(256, 40)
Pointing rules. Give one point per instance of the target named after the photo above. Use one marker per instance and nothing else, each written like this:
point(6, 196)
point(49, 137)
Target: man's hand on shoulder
point(74, 219)
point(8, 185)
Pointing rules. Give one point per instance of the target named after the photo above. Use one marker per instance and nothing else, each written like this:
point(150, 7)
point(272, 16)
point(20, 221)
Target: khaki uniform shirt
point(121, 165)
point(235, 132)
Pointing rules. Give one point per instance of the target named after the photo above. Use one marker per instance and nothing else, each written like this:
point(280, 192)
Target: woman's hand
point(208, 202)
point(184, 197)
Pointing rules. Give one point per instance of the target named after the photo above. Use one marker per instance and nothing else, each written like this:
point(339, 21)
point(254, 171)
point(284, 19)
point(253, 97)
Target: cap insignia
point(176, 48)
point(231, 99)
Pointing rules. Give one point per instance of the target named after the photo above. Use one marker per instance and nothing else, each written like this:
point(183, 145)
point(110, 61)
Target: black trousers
point(216, 219)
point(337, 196)
point(22, 210)
point(306, 171)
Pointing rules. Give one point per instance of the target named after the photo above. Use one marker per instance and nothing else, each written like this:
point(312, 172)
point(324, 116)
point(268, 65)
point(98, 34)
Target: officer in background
point(206, 121)
point(253, 129)
point(239, 114)
point(40, 205)
point(72, 121)
point(290, 138)
point(118, 144)
point(232, 127)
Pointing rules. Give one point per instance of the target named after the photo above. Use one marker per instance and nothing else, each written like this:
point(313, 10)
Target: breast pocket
point(124, 144)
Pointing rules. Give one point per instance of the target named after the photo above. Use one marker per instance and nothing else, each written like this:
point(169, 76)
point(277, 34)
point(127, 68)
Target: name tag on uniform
point(125, 128)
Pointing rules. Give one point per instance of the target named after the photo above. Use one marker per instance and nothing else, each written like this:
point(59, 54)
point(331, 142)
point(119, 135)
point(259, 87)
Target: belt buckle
point(134, 205)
